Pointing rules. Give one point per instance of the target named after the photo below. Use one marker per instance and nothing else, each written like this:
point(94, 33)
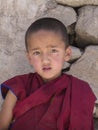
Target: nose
point(45, 58)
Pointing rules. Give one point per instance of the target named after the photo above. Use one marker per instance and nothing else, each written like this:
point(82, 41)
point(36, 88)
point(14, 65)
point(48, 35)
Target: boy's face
point(47, 53)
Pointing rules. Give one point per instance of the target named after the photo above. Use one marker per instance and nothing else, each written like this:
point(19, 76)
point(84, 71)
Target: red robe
point(65, 103)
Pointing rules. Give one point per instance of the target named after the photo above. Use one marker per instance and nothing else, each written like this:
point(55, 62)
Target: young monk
point(47, 99)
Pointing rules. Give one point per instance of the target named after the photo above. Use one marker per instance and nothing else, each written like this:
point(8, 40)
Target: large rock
point(77, 3)
point(86, 68)
point(68, 16)
point(23, 8)
point(87, 26)
point(13, 64)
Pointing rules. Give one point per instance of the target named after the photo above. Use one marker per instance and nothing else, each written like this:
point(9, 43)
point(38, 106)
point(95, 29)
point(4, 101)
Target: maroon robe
point(65, 103)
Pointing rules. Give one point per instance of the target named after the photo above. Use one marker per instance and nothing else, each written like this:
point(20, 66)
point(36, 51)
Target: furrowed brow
point(52, 46)
point(34, 49)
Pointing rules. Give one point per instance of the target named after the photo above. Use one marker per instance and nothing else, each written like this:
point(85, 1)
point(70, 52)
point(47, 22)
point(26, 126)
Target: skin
point(47, 53)
point(6, 111)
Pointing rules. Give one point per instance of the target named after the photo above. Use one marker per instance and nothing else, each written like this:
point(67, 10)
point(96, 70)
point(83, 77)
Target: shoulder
point(16, 84)
point(79, 84)
point(77, 81)
point(18, 79)
point(81, 87)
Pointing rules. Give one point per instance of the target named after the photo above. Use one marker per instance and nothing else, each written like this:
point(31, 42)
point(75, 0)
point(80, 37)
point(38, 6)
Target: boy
point(47, 99)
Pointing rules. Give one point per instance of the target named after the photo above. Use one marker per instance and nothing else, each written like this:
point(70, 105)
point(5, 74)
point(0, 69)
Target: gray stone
point(78, 3)
point(76, 53)
point(87, 26)
point(66, 65)
point(86, 68)
point(51, 4)
point(20, 63)
point(68, 16)
point(4, 61)
point(48, 5)
point(14, 64)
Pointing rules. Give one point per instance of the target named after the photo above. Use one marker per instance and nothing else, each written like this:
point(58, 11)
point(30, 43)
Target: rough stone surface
point(68, 16)
point(87, 26)
point(76, 53)
point(77, 3)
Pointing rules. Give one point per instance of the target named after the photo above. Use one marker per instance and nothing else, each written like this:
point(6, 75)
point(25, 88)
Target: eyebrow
point(49, 46)
point(34, 49)
point(52, 46)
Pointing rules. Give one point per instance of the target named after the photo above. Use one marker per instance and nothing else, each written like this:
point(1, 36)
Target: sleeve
point(16, 85)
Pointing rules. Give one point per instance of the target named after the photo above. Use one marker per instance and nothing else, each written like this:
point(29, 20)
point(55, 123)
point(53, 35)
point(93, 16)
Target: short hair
point(49, 24)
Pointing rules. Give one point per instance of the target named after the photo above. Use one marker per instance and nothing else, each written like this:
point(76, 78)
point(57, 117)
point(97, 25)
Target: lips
point(47, 68)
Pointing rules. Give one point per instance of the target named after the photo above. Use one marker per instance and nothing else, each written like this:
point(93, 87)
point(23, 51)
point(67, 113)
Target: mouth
point(46, 68)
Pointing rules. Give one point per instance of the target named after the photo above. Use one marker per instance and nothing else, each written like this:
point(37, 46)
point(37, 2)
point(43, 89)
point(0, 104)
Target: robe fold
point(65, 103)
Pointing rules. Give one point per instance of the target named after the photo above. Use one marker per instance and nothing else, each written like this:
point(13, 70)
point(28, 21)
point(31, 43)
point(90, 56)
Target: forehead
point(45, 38)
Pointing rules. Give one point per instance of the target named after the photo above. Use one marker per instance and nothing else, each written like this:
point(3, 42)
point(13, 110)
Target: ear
point(68, 54)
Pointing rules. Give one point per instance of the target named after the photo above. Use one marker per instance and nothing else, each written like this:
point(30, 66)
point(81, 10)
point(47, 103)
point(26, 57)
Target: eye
point(36, 53)
point(54, 50)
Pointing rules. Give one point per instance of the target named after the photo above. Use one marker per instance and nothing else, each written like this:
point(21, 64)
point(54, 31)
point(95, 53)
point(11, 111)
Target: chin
point(50, 78)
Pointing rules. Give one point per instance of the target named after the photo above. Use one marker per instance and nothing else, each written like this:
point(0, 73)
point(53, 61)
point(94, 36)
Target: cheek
point(34, 62)
point(58, 58)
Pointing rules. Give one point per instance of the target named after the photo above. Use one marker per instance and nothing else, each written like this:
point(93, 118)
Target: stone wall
point(79, 16)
